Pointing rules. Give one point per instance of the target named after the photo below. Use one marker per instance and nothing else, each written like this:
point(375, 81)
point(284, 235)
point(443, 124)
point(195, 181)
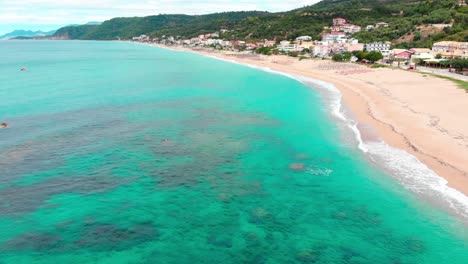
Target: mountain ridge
point(404, 16)
point(26, 33)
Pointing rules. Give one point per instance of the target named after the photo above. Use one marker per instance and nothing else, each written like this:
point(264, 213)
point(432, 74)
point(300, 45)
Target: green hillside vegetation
point(175, 25)
point(75, 32)
point(404, 17)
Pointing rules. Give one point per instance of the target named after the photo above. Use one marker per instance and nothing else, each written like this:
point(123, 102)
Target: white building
point(286, 46)
point(333, 36)
point(141, 38)
point(348, 28)
point(421, 54)
point(321, 50)
point(449, 46)
point(382, 47)
point(381, 24)
point(304, 38)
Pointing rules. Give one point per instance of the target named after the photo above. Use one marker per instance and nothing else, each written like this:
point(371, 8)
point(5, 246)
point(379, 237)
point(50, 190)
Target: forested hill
point(410, 22)
point(176, 25)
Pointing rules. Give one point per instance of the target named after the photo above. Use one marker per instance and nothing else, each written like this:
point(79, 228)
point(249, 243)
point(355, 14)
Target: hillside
point(181, 25)
point(26, 33)
point(406, 19)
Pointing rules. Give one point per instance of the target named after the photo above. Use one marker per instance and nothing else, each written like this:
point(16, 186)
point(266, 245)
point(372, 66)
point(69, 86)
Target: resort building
point(339, 21)
point(304, 38)
point(290, 48)
point(266, 43)
point(449, 46)
point(251, 46)
point(378, 46)
point(269, 43)
point(377, 25)
point(333, 36)
point(142, 38)
point(451, 49)
point(382, 47)
point(306, 45)
point(239, 43)
point(381, 24)
point(286, 46)
point(401, 54)
point(340, 24)
point(350, 47)
point(351, 29)
point(335, 28)
point(421, 54)
point(321, 50)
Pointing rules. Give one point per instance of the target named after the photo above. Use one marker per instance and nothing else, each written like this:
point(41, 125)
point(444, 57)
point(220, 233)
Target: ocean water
point(123, 153)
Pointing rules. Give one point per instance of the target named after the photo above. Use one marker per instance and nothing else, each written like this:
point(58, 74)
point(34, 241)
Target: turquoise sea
point(124, 153)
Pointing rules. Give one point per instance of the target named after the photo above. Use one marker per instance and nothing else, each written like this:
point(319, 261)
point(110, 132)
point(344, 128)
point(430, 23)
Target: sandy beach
point(423, 115)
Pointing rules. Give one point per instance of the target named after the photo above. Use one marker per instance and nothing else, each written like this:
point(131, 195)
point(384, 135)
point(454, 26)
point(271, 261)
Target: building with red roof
point(339, 21)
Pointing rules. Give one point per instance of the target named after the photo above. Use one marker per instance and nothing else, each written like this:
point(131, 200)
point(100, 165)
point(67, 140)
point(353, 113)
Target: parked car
point(411, 68)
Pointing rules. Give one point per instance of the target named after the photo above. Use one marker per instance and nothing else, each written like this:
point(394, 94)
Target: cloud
point(81, 11)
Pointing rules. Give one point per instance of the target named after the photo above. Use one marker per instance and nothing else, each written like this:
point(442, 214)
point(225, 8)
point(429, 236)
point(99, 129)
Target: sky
point(53, 14)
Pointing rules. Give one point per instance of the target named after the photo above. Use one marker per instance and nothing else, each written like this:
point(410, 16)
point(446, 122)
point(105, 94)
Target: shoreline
point(421, 115)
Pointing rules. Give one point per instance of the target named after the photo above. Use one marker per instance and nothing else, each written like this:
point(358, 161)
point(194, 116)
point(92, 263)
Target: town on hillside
point(336, 43)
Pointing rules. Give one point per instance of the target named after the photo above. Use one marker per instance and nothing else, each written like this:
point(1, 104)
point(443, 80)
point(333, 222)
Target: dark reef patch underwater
point(121, 153)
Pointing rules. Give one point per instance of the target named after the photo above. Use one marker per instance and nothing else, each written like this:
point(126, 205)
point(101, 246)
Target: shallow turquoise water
point(121, 153)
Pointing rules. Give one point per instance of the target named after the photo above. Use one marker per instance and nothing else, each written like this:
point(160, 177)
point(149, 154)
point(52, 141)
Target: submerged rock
point(260, 216)
point(33, 241)
point(108, 236)
point(302, 156)
point(220, 240)
point(307, 257)
point(415, 246)
point(224, 197)
point(340, 215)
point(297, 166)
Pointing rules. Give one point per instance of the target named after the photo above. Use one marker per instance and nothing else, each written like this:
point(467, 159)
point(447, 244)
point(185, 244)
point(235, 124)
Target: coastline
point(421, 115)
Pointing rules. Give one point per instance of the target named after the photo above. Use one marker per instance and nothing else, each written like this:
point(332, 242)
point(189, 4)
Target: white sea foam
point(319, 171)
point(403, 166)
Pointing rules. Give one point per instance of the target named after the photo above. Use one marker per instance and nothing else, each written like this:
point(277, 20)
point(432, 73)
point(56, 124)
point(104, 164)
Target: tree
point(417, 36)
point(419, 62)
point(460, 64)
point(438, 56)
point(361, 55)
point(347, 56)
point(292, 54)
point(374, 56)
point(337, 57)
point(263, 50)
